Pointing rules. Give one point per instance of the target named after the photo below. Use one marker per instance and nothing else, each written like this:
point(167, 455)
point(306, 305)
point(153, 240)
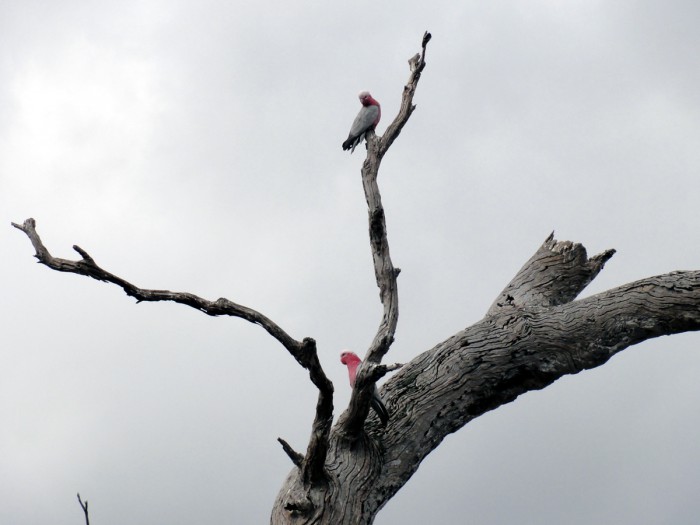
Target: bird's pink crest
point(347, 357)
point(350, 360)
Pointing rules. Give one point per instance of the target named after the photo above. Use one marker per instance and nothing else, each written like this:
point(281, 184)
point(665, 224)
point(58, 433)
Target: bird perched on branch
point(366, 119)
point(352, 362)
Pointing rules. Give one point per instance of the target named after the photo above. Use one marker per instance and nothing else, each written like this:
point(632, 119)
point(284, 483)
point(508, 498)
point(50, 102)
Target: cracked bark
point(535, 333)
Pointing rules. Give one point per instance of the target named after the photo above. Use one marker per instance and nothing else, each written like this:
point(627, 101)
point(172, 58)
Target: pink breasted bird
point(352, 362)
point(366, 119)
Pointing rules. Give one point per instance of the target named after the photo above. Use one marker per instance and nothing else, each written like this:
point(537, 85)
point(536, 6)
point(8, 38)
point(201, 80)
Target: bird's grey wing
point(364, 120)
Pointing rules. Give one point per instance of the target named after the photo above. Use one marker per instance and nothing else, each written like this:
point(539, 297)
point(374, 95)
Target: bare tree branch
point(84, 506)
point(88, 267)
point(379, 371)
point(561, 260)
point(527, 345)
point(297, 459)
point(384, 271)
point(541, 334)
point(313, 468)
point(303, 351)
point(416, 64)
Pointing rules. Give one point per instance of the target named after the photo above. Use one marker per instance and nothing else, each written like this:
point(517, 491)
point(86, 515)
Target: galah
point(351, 360)
point(366, 119)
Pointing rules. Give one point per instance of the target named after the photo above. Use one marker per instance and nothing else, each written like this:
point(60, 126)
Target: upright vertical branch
point(417, 64)
point(313, 466)
point(384, 271)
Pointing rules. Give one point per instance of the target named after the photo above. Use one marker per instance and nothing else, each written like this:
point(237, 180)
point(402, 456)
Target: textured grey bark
point(534, 333)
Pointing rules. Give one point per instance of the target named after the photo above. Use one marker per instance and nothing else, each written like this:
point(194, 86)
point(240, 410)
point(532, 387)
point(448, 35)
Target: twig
point(296, 458)
point(381, 370)
point(84, 506)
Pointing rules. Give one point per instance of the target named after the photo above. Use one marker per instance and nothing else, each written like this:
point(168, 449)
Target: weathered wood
point(519, 346)
point(523, 348)
point(573, 269)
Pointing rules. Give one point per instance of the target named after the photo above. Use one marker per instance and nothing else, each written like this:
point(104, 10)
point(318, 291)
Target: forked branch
point(416, 63)
point(84, 506)
point(564, 261)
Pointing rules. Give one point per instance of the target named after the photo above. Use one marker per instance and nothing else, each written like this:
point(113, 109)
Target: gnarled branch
point(303, 351)
point(536, 336)
point(88, 267)
point(541, 335)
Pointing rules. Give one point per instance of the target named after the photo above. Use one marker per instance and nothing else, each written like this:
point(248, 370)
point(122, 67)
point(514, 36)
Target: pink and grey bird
point(352, 362)
point(366, 119)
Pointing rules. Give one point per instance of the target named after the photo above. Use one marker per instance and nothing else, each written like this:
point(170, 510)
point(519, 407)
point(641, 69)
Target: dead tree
point(534, 333)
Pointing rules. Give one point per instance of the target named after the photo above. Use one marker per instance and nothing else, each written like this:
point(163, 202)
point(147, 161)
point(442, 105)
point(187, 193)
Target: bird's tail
point(380, 409)
point(352, 142)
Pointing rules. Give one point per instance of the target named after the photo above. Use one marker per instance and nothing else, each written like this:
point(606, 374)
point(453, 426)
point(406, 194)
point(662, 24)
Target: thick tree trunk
point(532, 335)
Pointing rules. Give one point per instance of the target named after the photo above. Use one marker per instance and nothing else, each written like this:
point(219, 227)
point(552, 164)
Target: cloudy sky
point(195, 146)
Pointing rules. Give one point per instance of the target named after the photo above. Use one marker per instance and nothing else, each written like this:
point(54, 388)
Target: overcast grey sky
point(195, 146)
